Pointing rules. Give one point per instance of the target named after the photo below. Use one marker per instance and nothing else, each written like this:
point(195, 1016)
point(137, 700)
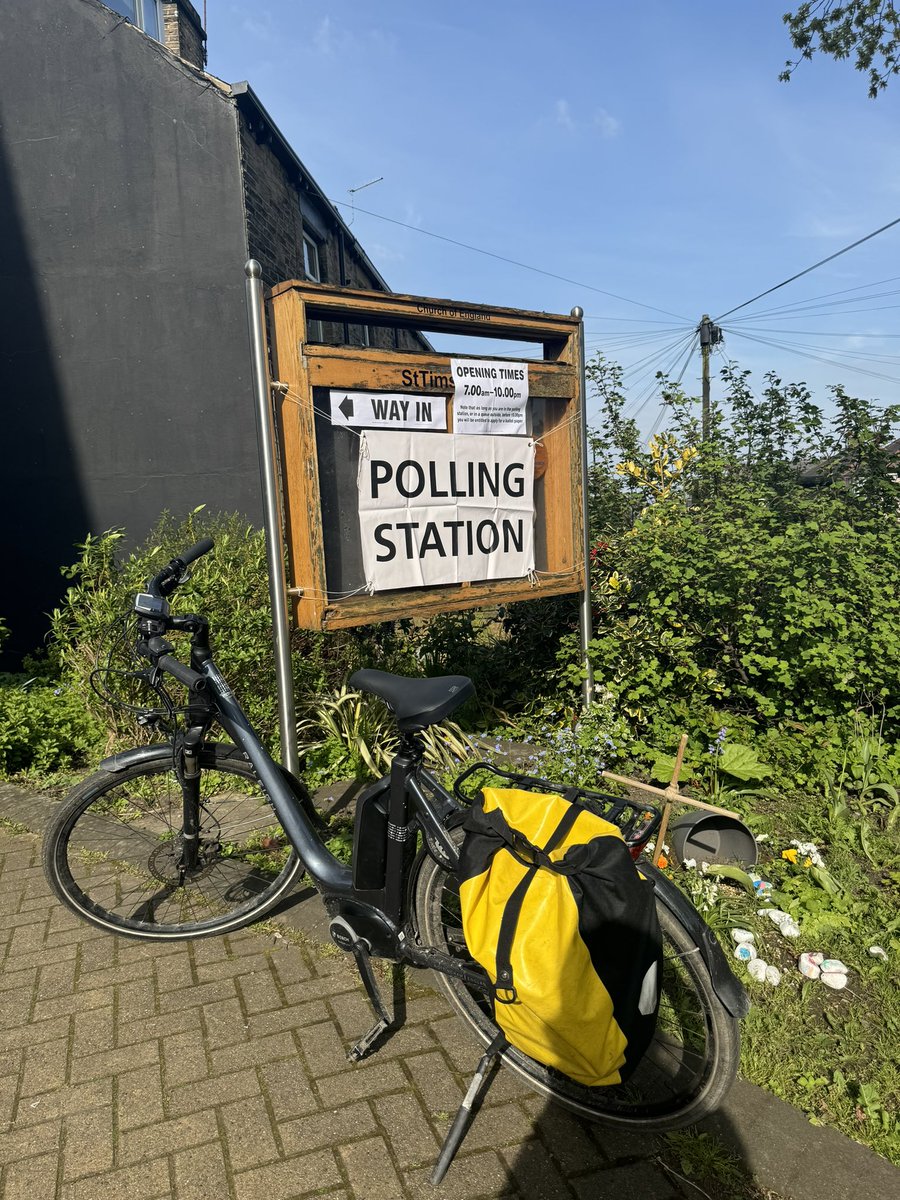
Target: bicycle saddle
point(416, 703)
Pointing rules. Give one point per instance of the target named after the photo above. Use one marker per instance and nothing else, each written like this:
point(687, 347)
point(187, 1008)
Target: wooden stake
point(679, 759)
point(670, 795)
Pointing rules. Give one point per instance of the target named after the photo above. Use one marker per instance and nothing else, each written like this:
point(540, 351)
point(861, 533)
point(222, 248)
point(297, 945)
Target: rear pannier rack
point(637, 822)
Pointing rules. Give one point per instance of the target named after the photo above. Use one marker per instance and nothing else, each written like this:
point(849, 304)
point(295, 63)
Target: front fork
point(189, 777)
point(189, 748)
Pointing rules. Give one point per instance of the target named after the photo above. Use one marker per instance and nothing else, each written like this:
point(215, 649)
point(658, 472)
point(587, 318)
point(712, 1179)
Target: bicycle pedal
point(361, 1048)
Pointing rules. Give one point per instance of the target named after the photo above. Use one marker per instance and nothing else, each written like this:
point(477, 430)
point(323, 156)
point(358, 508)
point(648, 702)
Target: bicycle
point(192, 837)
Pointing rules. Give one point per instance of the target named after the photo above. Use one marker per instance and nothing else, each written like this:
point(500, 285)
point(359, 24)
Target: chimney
point(183, 31)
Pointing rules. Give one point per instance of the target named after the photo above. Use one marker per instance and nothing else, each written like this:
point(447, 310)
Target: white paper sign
point(443, 508)
point(388, 410)
point(489, 397)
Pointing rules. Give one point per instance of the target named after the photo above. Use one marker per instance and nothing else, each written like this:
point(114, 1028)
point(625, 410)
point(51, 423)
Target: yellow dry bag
point(557, 913)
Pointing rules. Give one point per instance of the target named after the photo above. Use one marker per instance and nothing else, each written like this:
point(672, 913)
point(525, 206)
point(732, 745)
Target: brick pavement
point(216, 1070)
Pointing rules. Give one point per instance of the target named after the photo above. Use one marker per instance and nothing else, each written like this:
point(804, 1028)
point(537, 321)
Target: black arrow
point(346, 407)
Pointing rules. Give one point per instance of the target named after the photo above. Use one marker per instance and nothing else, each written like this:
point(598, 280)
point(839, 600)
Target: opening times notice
point(489, 397)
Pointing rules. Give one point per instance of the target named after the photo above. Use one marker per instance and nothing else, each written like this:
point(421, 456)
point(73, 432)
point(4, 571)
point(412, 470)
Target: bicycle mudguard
point(726, 985)
point(162, 752)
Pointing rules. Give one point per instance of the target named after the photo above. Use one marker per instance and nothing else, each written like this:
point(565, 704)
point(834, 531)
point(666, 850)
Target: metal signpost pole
point(587, 630)
point(265, 428)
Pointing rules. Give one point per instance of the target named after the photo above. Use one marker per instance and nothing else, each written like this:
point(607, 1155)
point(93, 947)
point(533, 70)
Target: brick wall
point(275, 200)
point(182, 31)
point(274, 226)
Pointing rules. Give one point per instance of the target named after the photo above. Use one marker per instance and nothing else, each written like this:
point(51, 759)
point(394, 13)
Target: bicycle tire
point(110, 852)
point(689, 1066)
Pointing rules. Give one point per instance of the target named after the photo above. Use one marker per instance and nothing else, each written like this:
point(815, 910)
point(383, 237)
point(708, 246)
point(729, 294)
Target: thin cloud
point(322, 38)
point(564, 114)
point(607, 124)
point(602, 122)
point(259, 27)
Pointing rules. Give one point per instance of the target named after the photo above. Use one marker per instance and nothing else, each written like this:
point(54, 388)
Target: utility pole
point(710, 335)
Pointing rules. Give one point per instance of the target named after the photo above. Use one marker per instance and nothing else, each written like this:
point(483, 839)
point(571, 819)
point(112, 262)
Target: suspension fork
point(190, 744)
point(189, 777)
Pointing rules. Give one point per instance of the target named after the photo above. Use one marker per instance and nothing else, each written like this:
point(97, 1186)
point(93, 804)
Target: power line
point(818, 357)
point(684, 366)
point(649, 359)
point(827, 296)
point(512, 261)
point(824, 310)
point(631, 320)
point(637, 406)
point(814, 267)
point(812, 332)
point(867, 355)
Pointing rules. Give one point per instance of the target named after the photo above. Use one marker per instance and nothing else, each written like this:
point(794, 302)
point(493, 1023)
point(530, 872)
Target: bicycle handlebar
point(192, 680)
point(167, 580)
point(196, 551)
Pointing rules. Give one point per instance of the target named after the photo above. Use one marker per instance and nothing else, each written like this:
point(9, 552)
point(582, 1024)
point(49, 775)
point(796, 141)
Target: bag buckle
point(505, 985)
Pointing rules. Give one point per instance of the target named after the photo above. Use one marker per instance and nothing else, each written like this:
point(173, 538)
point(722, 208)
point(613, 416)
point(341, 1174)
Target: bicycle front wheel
point(689, 1066)
point(113, 852)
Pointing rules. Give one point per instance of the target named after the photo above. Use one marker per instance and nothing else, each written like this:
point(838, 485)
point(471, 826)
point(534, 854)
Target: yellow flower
point(807, 862)
point(790, 855)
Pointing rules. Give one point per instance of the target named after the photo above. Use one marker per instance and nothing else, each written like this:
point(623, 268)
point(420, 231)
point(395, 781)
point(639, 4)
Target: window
point(311, 260)
point(313, 272)
point(143, 13)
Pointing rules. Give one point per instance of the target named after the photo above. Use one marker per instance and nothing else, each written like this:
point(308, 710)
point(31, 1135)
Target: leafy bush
point(739, 587)
point(352, 734)
point(736, 601)
point(229, 586)
point(42, 727)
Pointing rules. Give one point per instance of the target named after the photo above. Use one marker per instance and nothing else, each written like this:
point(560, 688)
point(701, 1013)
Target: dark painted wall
point(124, 370)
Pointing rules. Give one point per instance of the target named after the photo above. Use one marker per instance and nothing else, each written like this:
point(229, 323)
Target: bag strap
point(513, 909)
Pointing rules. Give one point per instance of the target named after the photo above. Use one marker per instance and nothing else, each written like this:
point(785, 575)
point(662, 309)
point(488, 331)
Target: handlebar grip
point(192, 680)
point(197, 551)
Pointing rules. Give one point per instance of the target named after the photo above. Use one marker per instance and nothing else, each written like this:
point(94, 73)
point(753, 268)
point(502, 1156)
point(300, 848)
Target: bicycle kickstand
point(459, 1128)
point(364, 965)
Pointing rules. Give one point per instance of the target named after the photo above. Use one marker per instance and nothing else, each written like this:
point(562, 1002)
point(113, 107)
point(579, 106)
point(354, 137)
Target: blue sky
point(646, 150)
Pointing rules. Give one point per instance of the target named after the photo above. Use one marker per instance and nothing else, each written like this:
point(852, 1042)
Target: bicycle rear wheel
point(112, 853)
point(688, 1067)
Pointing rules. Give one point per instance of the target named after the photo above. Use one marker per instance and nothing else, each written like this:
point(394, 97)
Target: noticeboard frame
point(556, 381)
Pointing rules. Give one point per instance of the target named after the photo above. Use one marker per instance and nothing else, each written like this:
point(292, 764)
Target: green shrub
point(758, 577)
point(229, 586)
point(785, 612)
point(43, 727)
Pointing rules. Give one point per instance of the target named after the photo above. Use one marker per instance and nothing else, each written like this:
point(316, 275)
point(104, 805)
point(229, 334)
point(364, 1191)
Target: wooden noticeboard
point(319, 460)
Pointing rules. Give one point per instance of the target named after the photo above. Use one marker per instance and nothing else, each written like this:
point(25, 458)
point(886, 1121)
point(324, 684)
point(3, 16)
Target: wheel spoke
point(691, 1059)
point(115, 853)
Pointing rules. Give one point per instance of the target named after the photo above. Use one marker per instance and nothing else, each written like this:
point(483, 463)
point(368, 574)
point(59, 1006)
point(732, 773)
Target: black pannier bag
point(560, 917)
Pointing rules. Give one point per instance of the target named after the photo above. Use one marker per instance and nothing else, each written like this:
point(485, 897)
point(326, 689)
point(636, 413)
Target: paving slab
point(217, 1068)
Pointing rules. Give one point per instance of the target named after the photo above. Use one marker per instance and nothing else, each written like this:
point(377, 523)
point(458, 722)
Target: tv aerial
point(352, 193)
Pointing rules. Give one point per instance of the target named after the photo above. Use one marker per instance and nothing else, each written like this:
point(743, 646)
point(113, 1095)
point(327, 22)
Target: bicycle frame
point(376, 913)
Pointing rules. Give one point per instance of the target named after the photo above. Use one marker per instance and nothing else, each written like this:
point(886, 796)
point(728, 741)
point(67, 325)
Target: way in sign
point(387, 410)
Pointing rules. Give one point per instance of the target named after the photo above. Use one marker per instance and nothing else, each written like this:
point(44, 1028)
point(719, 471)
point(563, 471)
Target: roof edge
point(243, 94)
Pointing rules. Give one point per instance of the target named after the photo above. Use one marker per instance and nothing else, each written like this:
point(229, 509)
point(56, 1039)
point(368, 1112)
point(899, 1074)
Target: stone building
point(133, 187)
